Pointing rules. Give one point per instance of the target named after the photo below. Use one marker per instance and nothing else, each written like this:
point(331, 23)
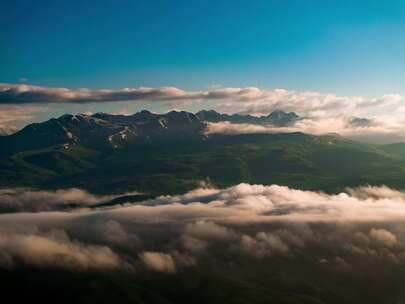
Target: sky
point(344, 49)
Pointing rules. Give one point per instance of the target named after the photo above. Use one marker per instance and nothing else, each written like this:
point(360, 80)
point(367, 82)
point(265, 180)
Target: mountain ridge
point(171, 153)
point(103, 129)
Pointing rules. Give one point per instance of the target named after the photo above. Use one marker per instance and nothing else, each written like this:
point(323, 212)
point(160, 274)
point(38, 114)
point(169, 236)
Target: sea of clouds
point(171, 234)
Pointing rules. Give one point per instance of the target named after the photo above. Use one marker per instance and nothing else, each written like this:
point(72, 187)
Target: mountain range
point(171, 153)
point(144, 127)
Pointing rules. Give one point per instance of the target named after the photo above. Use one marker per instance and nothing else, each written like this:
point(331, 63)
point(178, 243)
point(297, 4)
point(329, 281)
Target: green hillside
point(328, 163)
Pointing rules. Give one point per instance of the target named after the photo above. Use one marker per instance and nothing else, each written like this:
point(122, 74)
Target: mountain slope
point(101, 131)
point(169, 153)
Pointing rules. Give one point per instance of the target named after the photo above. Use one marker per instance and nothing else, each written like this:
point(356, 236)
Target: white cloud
point(23, 93)
point(54, 249)
point(263, 244)
point(13, 117)
point(207, 230)
point(250, 100)
point(158, 261)
point(173, 232)
point(25, 199)
point(381, 192)
point(384, 236)
point(377, 132)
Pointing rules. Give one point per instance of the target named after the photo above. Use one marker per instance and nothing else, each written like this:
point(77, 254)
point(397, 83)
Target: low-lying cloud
point(14, 117)
point(376, 131)
point(30, 200)
point(54, 249)
point(158, 261)
point(173, 233)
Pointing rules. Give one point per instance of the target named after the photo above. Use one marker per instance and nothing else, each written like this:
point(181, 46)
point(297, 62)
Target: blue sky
point(342, 47)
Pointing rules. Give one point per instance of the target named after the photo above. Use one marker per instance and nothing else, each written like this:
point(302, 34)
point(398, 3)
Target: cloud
point(207, 230)
point(262, 102)
point(383, 236)
point(25, 199)
point(158, 261)
point(229, 128)
point(23, 93)
point(208, 225)
point(250, 100)
point(322, 113)
point(241, 203)
point(377, 131)
point(54, 249)
point(13, 117)
point(263, 244)
point(381, 192)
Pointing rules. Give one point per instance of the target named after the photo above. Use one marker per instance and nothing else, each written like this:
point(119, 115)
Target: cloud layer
point(54, 249)
point(250, 100)
point(380, 131)
point(323, 112)
point(172, 233)
point(14, 117)
point(22, 93)
point(21, 199)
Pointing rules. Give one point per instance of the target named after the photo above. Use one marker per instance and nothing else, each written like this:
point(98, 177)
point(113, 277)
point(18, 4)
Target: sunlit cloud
point(14, 117)
point(170, 233)
point(320, 113)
